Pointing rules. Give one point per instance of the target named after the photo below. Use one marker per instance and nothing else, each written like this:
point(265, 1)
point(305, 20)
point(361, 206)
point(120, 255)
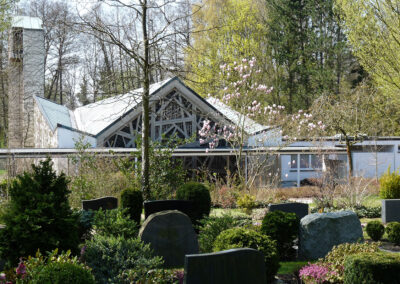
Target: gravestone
point(319, 232)
point(171, 235)
point(151, 207)
point(235, 266)
point(390, 210)
point(106, 203)
point(300, 209)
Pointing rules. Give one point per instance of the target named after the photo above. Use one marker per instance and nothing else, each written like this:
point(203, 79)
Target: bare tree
point(143, 30)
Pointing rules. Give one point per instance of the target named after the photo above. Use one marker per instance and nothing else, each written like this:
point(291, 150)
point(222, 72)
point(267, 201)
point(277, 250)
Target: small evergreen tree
point(38, 216)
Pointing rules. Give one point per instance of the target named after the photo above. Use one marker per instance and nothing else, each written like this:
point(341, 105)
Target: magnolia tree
point(252, 118)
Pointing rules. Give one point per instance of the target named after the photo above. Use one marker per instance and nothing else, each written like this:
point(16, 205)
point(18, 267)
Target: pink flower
point(21, 269)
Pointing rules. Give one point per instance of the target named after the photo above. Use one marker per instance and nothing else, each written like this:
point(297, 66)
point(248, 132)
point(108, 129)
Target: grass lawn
point(290, 267)
point(217, 212)
point(373, 201)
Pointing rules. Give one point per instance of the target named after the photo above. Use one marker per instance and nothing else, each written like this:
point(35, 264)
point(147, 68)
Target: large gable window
point(172, 115)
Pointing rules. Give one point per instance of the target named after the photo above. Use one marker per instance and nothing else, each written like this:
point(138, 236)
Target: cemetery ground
point(196, 235)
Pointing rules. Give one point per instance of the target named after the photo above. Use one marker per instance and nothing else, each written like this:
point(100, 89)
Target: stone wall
point(43, 137)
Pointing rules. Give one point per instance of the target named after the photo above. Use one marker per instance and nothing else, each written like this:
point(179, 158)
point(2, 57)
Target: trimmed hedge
point(372, 268)
point(247, 238)
point(133, 200)
point(200, 195)
point(393, 232)
point(375, 230)
point(64, 273)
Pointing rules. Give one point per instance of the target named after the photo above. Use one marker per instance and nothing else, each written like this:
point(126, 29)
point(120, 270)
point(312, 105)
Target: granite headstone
point(300, 209)
point(154, 206)
point(106, 203)
point(234, 266)
point(171, 235)
point(390, 210)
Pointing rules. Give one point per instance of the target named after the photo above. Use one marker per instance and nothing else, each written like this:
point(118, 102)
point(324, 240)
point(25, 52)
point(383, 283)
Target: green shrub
point(246, 238)
point(85, 222)
point(335, 259)
point(389, 226)
point(114, 222)
point(133, 200)
point(375, 230)
point(372, 268)
point(390, 185)
point(211, 227)
point(282, 227)
point(35, 265)
point(64, 273)
point(110, 256)
point(38, 215)
point(155, 276)
point(247, 202)
point(393, 232)
point(200, 195)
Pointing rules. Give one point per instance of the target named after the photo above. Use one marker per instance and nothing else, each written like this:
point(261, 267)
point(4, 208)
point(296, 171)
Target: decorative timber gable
point(175, 111)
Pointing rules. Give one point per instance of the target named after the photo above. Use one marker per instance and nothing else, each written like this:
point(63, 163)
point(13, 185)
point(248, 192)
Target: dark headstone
point(301, 209)
point(319, 232)
point(106, 203)
point(235, 266)
point(390, 210)
point(171, 235)
point(151, 207)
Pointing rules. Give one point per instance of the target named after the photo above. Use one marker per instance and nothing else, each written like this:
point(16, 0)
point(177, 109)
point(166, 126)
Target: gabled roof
point(54, 113)
point(250, 126)
point(95, 118)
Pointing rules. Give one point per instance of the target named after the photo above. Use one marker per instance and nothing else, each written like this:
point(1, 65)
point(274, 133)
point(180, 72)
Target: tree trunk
point(349, 157)
point(145, 106)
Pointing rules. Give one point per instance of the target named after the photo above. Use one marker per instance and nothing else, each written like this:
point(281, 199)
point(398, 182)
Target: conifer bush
point(132, 200)
point(200, 195)
point(390, 185)
point(38, 215)
point(283, 227)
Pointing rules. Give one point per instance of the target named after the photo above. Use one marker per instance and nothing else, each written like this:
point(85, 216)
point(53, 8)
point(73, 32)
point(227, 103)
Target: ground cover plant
point(331, 267)
point(110, 257)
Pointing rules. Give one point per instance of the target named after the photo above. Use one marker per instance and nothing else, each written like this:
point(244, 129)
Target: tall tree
point(373, 30)
point(224, 32)
point(137, 34)
point(308, 42)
